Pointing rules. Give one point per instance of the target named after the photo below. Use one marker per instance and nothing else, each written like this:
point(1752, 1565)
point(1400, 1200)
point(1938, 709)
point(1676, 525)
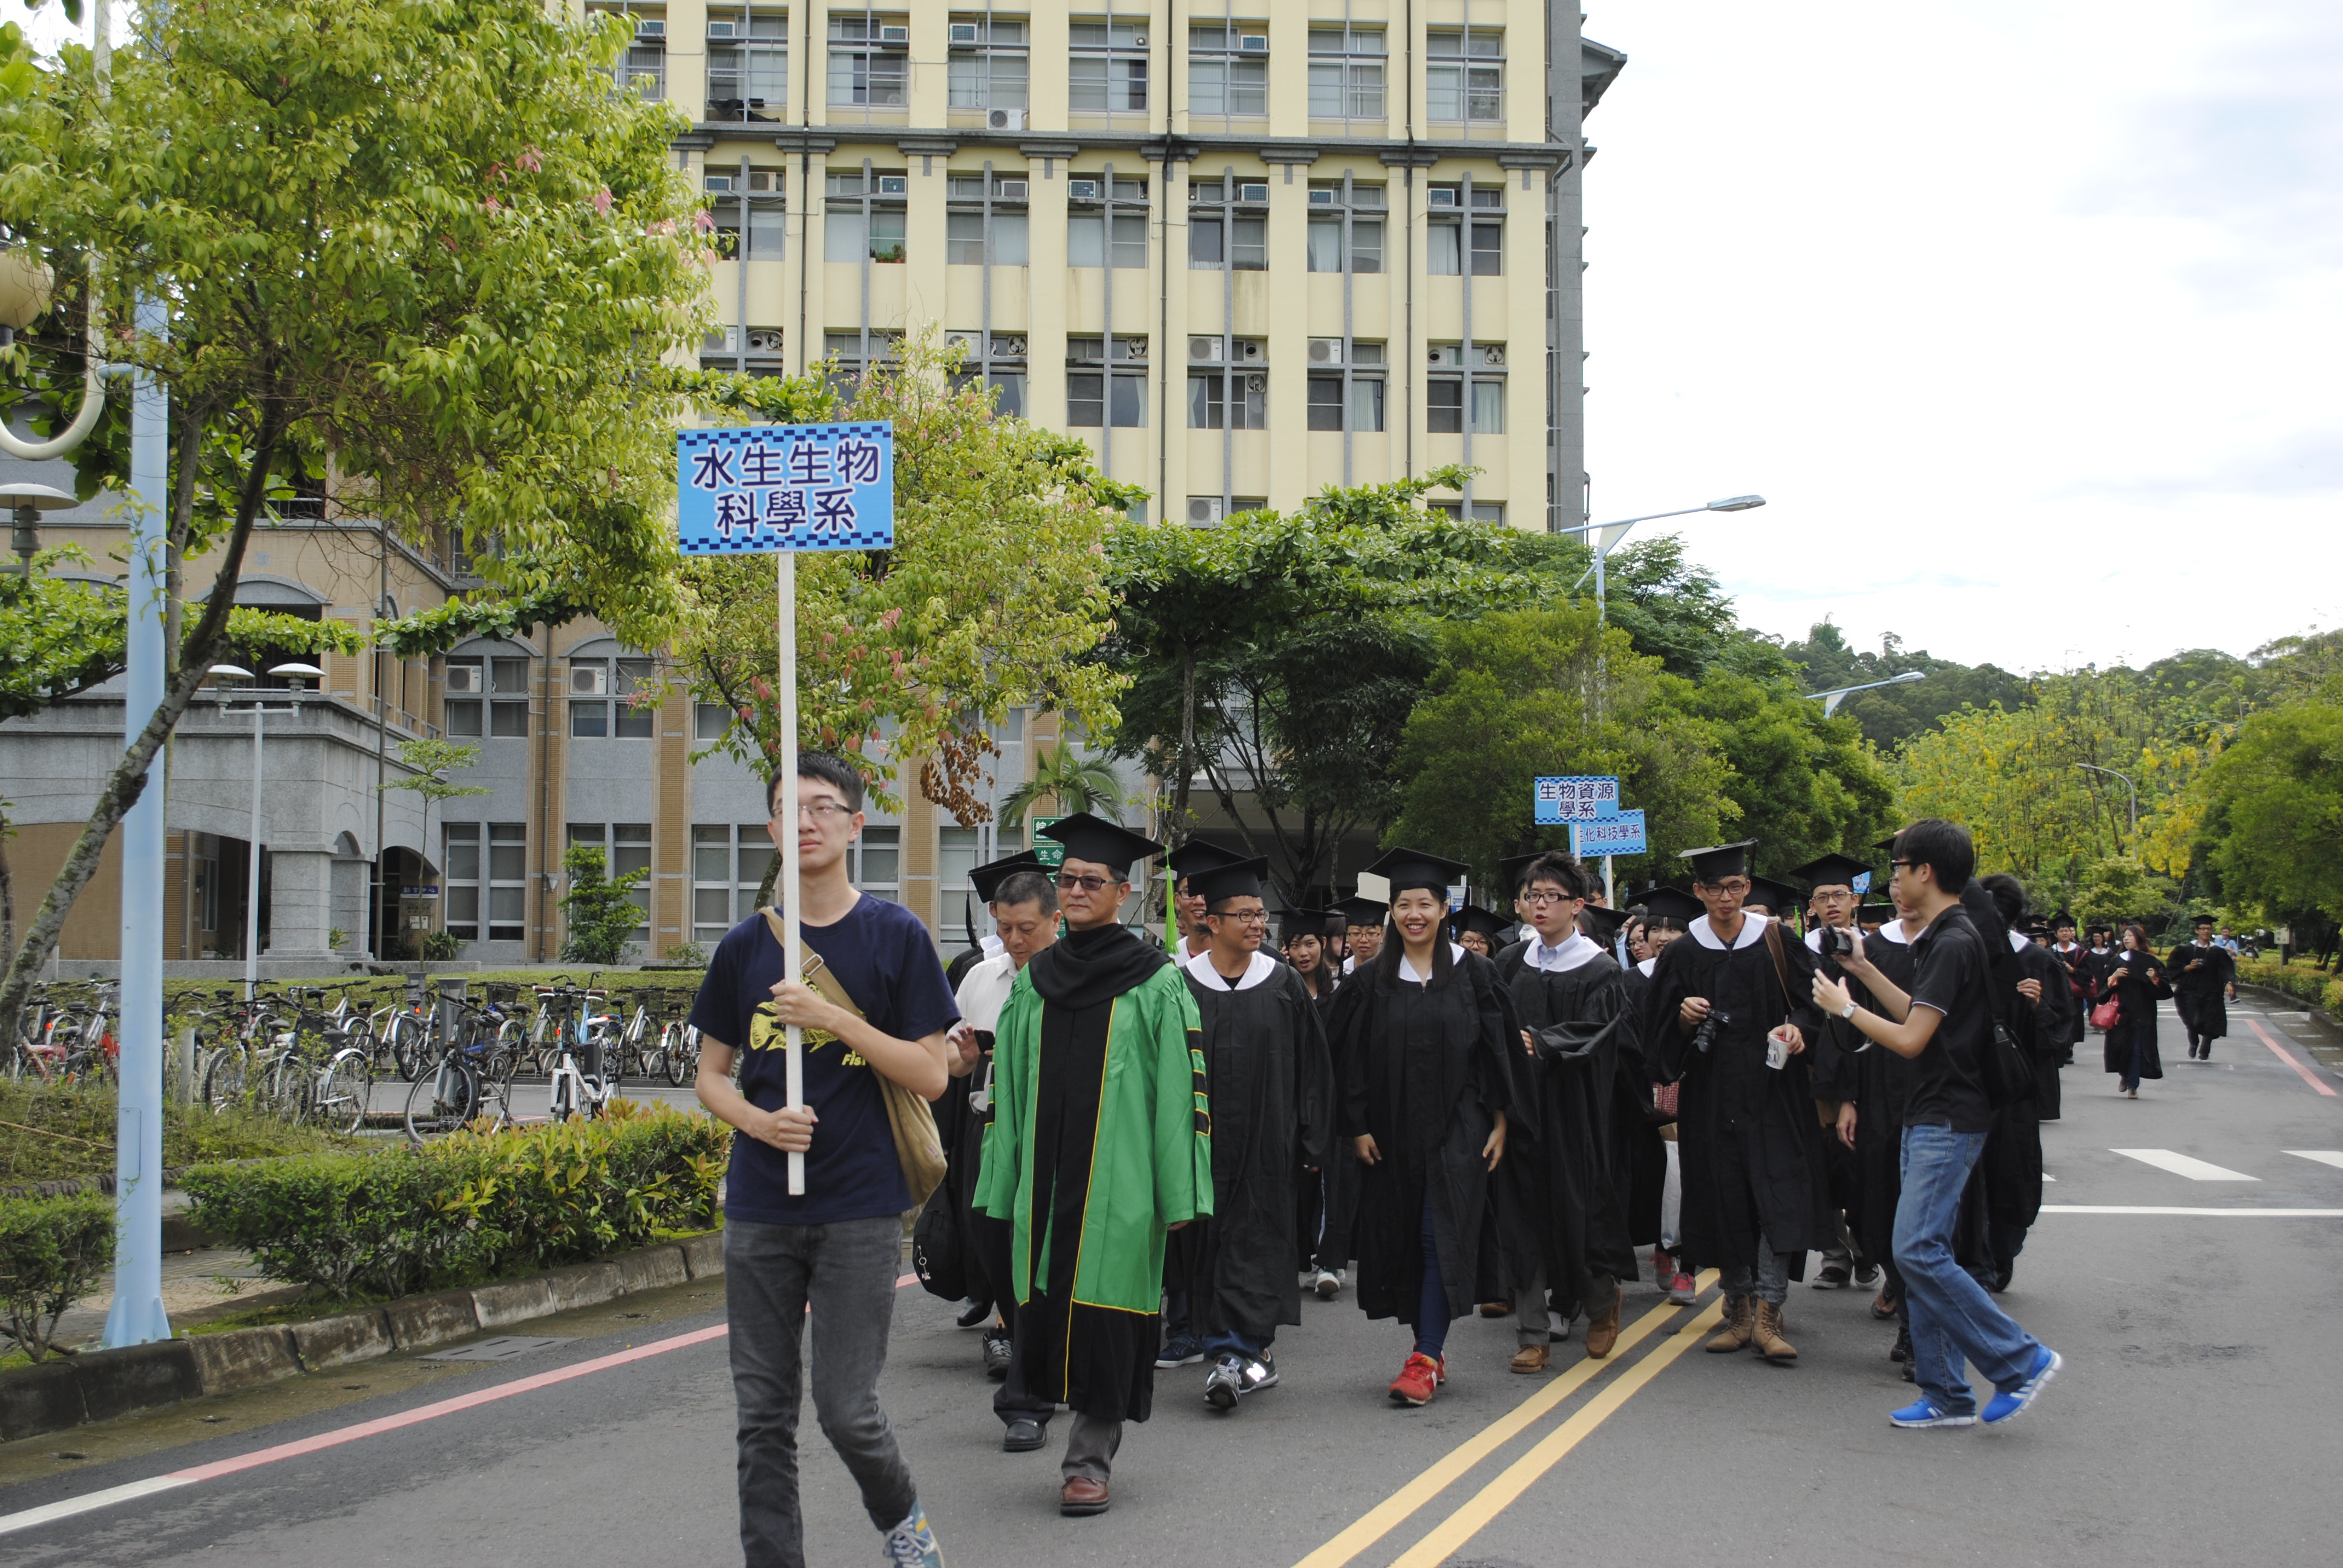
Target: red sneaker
point(1417, 1381)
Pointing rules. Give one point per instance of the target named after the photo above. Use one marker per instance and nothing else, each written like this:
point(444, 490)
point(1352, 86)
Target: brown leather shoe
point(1765, 1333)
point(1738, 1323)
point(1531, 1360)
point(1497, 1308)
point(1083, 1495)
point(1603, 1332)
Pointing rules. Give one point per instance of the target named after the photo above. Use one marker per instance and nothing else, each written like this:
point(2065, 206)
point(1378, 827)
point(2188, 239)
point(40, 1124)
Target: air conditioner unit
point(964, 32)
point(724, 340)
point(722, 29)
point(1251, 352)
point(1081, 190)
point(1204, 350)
point(1258, 193)
point(463, 681)
point(719, 182)
point(650, 27)
point(1440, 196)
point(1256, 384)
point(1004, 120)
point(590, 680)
point(1320, 196)
point(894, 185)
point(895, 36)
point(1447, 354)
point(1325, 351)
point(1012, 190)
point(1492, 354)
point(1253, 42)
point(1203, 510)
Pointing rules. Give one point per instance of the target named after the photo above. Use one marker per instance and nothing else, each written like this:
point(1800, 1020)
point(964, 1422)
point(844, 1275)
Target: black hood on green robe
point(1083, 969)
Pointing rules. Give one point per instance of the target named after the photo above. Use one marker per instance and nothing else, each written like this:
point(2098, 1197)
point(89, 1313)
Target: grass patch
point(56, 1133)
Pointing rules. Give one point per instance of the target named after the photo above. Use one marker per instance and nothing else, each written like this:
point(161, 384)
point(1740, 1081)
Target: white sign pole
point(786, 571)
point(1610, 897)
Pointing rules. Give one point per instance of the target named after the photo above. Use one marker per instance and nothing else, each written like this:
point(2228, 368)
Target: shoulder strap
point(811, 966)
point(1781, 963)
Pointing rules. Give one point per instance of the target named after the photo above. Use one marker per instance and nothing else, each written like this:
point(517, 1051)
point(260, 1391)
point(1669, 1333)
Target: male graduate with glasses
point(1100, 1145)
point(1273, 1090)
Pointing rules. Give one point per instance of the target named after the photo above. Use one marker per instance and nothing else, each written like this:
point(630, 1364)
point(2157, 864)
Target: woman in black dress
point(2135, 979)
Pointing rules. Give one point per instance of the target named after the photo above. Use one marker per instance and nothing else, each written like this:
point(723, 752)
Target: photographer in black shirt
point(1944, 1026)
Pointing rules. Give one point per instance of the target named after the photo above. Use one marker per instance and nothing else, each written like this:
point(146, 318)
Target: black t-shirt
point(881, 953)
point(1949, 976)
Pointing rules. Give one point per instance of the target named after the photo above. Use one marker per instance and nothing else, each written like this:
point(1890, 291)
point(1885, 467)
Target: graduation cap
point(1672, 906)
point(2063, 918)
point(1237, 879)
point(1196, 857)
point(1779, 898)
point(1356, 911)
point(1100, 842)
point(1602, 924)
point(986, 879)
point(1473, 918)
point(1888, 845)
point(1403, 869)
point(1513, 871)
point(1309, 922)
point(1874, 914)
point(1833, 870)
point(1719, 861)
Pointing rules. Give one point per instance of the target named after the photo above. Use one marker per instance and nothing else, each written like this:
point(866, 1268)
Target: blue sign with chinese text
point(765, 488)
point(1576, 799)
point(1619, 835)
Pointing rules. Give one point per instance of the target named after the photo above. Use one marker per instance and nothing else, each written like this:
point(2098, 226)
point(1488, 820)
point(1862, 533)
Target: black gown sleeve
point(1314, 1089)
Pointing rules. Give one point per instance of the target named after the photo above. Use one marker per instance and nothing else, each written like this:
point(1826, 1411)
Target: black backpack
point(936, 1254)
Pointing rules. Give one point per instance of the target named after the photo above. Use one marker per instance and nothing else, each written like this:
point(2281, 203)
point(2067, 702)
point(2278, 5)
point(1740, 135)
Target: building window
point(1237, 402)
point(1488, 249)
point(964, 240)
point(1325, 245)
point(875, 863)
point(1106, 67)
point(1347, 73)
point(1007, 383)
point(1489, 408)
point(1094, 397)
point(768, 222)
point(462, 710)
point(1228, 69)
point(501, 883)
point(1086, 244)
point(1444, 250)
point(508, 697)
point(987, 68)
point(1465, 76)
point(603, 698)
point(1443, 408)
point(626, 848)
point(870, 60)
point(748, 65)
point(711, 721)
point(724, 884)
point(642, 65)
point(1482, 511)
point(1247, 243)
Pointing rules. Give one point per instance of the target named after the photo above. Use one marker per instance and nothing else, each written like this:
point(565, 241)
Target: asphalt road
point(2187, 1429)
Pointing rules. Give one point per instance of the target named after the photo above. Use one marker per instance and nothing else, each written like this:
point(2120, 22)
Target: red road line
point(2288, 1058)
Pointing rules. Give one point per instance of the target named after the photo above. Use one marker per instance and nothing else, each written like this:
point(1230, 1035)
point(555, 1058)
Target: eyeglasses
point(1087, 884)
point(820, 811)
point(1243, 917)
point(1547, 898)
point(1736, 886)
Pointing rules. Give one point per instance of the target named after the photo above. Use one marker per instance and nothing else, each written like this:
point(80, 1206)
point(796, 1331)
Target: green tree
point(1893, 714)
point(1801, 784)
point(421, 250)
point(1515, 697)
point(598, 909)
point(428, 765)
point(2274, 812)
point(2115, 888)
point(992, 599)
point(1069, 781)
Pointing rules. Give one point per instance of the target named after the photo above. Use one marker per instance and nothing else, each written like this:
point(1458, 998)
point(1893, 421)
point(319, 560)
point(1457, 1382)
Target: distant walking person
point(2134, 980)
point(2204, 980)
point(835, 1248)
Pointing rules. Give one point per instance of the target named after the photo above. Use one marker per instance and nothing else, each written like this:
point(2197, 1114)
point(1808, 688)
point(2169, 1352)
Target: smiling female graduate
point(1425, 1043)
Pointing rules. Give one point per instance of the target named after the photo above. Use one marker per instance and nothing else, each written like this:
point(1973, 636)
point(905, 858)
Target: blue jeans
point(1952, 1317)
point(1432, 1298)
point(1228, 1343)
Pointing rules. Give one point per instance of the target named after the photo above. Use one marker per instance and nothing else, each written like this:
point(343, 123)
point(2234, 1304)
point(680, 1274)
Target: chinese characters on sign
point(1576, 799)
point(1619, 835)
point(786, 488)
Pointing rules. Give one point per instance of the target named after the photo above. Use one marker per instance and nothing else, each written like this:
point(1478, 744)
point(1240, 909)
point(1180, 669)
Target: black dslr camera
point(1836, 943)
point(1706, 1035)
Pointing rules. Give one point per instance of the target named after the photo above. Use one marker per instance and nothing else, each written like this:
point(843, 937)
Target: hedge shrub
point(2316, 988)
point(469, 1207)
point(53, 1253)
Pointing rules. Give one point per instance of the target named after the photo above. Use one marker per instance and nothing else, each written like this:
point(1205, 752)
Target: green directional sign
point(1049, 852)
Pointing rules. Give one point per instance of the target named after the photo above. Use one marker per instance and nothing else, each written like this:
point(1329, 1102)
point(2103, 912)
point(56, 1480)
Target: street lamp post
point(296, 673)
point(1608, 535)
point(2128, 784)
point(1831, 700)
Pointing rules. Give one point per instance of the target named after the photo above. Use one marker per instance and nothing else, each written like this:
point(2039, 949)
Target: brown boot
point(1738, 1323)
point(1765, 1333)
point(1531, 1360)
point(1603, 1332)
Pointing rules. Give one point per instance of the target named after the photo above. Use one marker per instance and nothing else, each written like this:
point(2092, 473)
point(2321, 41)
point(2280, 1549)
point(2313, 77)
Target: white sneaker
point(1328, 1284)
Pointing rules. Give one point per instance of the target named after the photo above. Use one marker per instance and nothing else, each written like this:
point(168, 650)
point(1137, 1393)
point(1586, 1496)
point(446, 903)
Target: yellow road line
point(1454, 1532)
point(1386, 1515)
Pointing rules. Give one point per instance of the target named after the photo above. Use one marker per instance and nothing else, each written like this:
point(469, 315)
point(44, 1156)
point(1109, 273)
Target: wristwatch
point(1847, 1012)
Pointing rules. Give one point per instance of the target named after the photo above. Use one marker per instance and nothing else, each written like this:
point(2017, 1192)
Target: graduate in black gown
point(2070, 954)
point(1726, 1005)
point(2203, 981)
point(1425, 1046)
point(2135, 979)
point(1832, 902)
point(983, 880)
point(2035, 1013)
point(1326, 1197)
point(1272, 1109)
point(1564, 1188)
point(1480, 930)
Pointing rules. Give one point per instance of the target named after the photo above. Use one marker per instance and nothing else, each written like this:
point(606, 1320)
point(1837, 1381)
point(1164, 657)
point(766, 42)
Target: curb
point(63, 1392)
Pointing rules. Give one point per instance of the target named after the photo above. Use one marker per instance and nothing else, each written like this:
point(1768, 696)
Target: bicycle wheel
point(441, 1101)
point(228, 1079)
point(409, 1045)
point(562, 1103)
point(495, 1109)
point(344, 1090)
point(671, 1052)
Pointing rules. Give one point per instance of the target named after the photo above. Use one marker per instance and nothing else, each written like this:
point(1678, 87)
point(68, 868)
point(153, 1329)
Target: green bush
point(53, 1253)
point(54, 1132)
point(2316, 988)
point(470, 1207)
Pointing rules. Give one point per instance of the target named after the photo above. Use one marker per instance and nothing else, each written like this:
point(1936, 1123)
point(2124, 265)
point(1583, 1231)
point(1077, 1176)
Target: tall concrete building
point(1246, 253)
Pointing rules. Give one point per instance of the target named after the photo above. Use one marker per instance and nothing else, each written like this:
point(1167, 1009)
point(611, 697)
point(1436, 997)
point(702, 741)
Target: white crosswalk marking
point(2324, 1156)
point(2182, 1165)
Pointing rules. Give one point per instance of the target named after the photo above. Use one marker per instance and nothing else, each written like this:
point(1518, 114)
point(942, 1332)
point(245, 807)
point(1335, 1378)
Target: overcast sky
point(2027, 318)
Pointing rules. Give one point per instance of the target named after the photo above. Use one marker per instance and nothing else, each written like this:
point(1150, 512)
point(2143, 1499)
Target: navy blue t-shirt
point(881, 953)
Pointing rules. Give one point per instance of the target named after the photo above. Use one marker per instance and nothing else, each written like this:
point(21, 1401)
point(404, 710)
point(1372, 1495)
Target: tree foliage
point(2273, 800)
point(1894, 714)
point(598, 909)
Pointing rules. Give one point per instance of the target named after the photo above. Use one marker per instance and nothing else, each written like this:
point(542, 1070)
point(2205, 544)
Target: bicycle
point(472, 1079)
point(581, 1034)
point(678, 1052)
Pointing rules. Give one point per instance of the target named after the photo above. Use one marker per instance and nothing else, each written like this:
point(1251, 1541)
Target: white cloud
point(2024, 319)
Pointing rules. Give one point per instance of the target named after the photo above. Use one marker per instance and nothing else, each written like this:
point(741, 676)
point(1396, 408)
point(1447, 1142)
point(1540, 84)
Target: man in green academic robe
point(1099, 1144)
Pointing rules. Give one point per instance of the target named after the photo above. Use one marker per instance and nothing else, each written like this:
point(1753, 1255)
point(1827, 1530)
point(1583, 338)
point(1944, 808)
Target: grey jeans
point(1772, 1282)
point(1090, 1448)
point(1532, 1324)
point(847, 1273)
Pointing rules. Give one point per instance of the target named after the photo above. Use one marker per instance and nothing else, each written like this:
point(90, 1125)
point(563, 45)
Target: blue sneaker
point(1181, 1351)
point(1921, 1413)
point(911, 1544)
point(2008, 1406)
